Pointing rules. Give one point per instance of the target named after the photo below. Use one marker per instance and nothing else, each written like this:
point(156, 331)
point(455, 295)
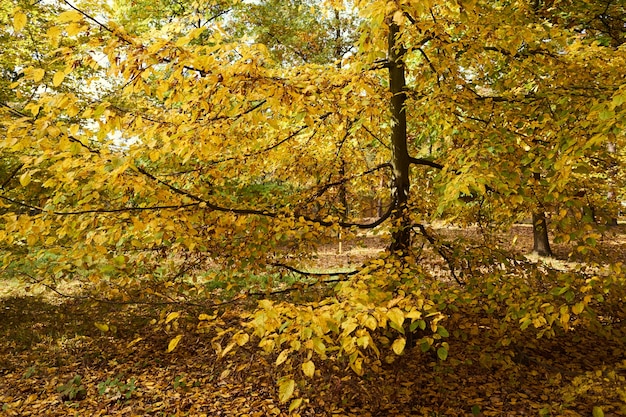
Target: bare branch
point(314, 274)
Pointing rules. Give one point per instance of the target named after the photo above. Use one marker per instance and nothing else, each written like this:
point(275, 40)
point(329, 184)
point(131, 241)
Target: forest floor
point(50, 349)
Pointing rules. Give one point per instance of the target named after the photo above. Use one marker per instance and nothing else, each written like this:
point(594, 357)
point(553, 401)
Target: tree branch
point(95, 211)
point(123, 37)
point(11, 176)
point(265, 213)
point(425, 162)
point(313, 274)
point(269, 148)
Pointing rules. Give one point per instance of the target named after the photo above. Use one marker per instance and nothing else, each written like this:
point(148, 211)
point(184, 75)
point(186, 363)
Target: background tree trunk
point(612, 194)
point(541, 244)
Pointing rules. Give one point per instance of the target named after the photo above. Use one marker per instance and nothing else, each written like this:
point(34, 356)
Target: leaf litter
point(55, 361)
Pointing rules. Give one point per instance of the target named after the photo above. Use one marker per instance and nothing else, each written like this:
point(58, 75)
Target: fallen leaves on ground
point(51, 349)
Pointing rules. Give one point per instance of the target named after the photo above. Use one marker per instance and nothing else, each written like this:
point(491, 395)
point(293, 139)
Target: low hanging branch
point(38, 209)
point(203, 203)
point(314, 274)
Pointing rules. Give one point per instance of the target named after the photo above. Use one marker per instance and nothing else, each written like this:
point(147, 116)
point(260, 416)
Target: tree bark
point(541, 244)
point(612, 194)
point(401, 235)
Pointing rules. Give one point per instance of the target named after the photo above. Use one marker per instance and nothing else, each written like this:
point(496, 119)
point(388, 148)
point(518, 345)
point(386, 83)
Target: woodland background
point(312, 207)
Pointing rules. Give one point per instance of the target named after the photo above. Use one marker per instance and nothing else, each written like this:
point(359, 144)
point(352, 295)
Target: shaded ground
point(126, 371)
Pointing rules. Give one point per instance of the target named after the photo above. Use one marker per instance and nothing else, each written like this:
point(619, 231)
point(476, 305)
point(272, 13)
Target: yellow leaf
point(308, 368)
point(295, 404)
point(357, 366)
point(398, 17)
point(53, 131)
point(155, 155)
point(19, 21)
point(241, 338)
point(282, 356)
point(348, 326)
point(205, 316)
point(134, 342)
point(25, 179)
point(396, 316)
point(74, 29)
point(53, 32)
point(370, 322)
point(69, 16)
point(172, 316)
point(174, 342)
point(102, 326)
point(227, 349)
point(578, 308)
point(195, 33)
point(33, 107)
point(182, 41)
point(398, 345)
point(58, 78)
point(285, 390)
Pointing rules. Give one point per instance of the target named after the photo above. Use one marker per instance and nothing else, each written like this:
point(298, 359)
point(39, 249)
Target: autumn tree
point(514, 122)
point(172, 151)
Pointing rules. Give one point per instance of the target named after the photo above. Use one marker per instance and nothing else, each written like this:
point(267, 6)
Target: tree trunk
point(401, 234)
point(612, 195)
point(541, 244)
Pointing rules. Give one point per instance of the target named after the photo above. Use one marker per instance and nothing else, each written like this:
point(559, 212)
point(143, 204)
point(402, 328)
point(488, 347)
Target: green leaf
point(606, 114)
point(559, 290)
point(319, 346)
point(442, 353)
point(619, 99)
point(597, 412)
point(442, 331)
